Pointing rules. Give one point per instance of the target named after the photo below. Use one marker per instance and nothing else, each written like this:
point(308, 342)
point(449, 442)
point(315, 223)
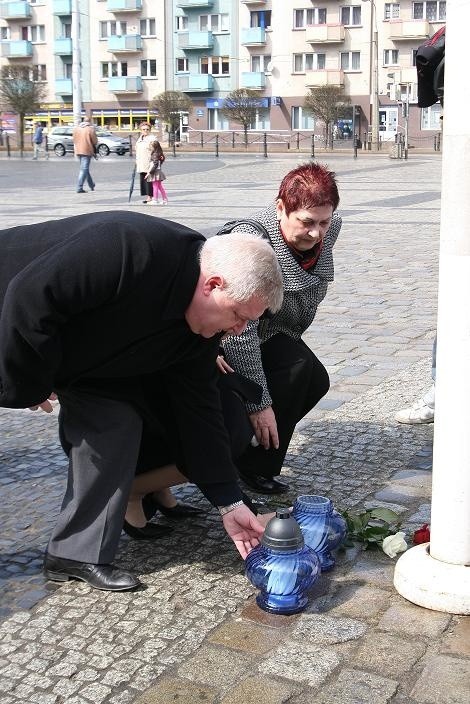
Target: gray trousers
point(102, 439)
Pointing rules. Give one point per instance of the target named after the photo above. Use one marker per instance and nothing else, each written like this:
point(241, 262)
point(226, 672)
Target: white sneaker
point(154, 202)
point(419, 412)
point(165, 202)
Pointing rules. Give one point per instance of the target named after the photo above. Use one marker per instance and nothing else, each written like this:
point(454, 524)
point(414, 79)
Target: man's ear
point(211, 283)
point(279, 208)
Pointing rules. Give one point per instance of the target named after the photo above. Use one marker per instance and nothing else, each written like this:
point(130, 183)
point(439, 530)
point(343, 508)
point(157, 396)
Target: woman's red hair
point(308, 186)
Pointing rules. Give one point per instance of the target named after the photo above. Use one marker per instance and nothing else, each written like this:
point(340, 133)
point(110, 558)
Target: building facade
point(132, 50)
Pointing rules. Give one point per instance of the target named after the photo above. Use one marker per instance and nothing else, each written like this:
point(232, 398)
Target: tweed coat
point(96, 302)
point(303, 292)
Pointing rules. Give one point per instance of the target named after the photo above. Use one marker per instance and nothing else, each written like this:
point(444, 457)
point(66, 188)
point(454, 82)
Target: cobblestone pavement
point(194, 632)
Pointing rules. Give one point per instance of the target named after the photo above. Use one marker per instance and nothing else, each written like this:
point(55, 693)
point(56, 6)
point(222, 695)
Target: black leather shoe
point(180, 511)
point(264, 485)
point(151, 531)
point(105, 577)
point(82, 190)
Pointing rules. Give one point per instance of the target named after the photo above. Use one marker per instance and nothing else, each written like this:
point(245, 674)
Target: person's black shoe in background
point(264, 485)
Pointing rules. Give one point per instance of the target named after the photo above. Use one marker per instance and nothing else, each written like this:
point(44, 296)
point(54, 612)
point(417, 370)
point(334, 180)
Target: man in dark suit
point(98, 308)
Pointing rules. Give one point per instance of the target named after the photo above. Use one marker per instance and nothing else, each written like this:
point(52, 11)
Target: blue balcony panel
point(16, 49)
point(195, 40)
point(63, 86)
point(125, 84)
point(124, 5)
point(255, 80)
point(253, 36)
point(63, 47)
point(15, 10)
point(190, 4)
point(125, 44)
point(196, 83)
point(62, 8)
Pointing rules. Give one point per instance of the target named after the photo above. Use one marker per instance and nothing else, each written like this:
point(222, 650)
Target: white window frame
point(391, 11)
point(185, 61)
point(301, 117)
point(181, 23)
point(389, 56)
point(216, 23)
point(351, 55)
point(146, 25)
point(41, 70)
point(440, 6)
point(66, 30)
point(4, 33)
point(430, 117)
point(117, 73)
point(112, 28)
point(350, 10)
point(256, 14)
point(148, 72)
point(211, 61)
point(259, 62)
point(32, 32)
point(308, 62)
point(308, 16)
point(67, 69)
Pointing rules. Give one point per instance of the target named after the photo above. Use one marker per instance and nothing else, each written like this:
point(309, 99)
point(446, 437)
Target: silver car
point(60, 141)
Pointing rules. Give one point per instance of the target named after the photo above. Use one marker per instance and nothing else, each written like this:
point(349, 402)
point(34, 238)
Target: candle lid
point(282, 532)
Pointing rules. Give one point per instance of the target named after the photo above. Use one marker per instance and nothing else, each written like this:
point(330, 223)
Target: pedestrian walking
point(84, 142)
point(155, 174)
point(143, 148)
point(38, 139)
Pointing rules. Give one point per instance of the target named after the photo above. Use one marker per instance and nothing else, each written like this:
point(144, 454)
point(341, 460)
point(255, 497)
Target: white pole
point(439, 578)
point(76, 72)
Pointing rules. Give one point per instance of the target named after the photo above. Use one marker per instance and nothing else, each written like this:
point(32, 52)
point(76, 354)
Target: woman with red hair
point(302, 228)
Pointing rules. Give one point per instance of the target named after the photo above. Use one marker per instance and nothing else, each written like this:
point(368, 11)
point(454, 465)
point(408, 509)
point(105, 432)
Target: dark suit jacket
point(97, 302)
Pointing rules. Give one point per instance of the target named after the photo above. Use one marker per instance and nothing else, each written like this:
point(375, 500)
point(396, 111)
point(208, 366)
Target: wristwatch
point(231, 507)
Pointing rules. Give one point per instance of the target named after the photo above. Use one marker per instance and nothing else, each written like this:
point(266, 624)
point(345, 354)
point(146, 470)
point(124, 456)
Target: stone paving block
point(444, 680)
point(374, 571)
point(245, 636)
point(356, 601)
point(457, 638)
point(301, 662)
point(357, 687)
point(172, 689)
point(319, 629)
point(409, 619)
point(252, 612)
point(402, 494)
point(218, 667)
point(388, 654)
point(257, 690)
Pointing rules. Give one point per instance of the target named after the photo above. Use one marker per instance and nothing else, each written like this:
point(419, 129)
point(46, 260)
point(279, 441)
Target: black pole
point(265, 144)
point(174, 144)
point(233, 140)
point(298, 140)
point(313, 147)
point(217, 145)
point(356, 138)
point(202, 139)
point(7, 139)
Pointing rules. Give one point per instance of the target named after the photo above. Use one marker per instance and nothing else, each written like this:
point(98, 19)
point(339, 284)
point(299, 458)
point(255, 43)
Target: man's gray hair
point(247, 264)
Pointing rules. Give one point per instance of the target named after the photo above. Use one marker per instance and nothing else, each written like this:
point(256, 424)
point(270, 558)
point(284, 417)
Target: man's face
point(223, 314)
point(303, 229)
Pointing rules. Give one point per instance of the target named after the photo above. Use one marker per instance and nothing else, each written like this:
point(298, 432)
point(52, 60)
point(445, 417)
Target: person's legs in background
point(422, 410)
point(84, 174)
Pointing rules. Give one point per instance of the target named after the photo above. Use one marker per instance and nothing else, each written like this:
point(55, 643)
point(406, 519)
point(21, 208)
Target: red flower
point(422, 535)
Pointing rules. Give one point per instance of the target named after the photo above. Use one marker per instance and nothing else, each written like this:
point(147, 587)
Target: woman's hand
point(45, 405)
point(223, 366)
point(265, 427)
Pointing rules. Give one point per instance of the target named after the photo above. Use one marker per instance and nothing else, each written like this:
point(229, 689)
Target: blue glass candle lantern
point(282, 567)
point(323, 528)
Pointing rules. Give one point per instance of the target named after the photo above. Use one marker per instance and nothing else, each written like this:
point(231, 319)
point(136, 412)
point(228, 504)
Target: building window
point(392, 11)
point(34, 33)
point(148, 68)
point(301, 119)
point(215, 65)
point(390, 57)
point(214, 23)
point(4, 33)
point(259, 64)
point(309, 16)
point(431, 117)
point(351, 60)
point(112, 29)
point(66, 30)
point(113, 68)
point(182, 65)
point(261, 18)
point(434, 11)
point(39, 72)
point(351, 15)
point(147, 28)
point(308, 62)
point(67, 70)
point(181, 23)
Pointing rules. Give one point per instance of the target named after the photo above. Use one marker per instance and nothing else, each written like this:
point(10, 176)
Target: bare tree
point(240, 106)
point(169, 104)
point(327, 104)
point(20, 93)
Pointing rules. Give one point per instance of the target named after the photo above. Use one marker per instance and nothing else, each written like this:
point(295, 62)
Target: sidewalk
point(194, 633)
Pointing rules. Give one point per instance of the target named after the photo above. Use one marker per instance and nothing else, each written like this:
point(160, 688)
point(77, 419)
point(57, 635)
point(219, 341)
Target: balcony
point(63, 46)
point(190, 4)
point(197, 83)
point(324, 34)
point(62, 8)
point(404, 30)
point(16, 49)
point(15, 10)
point(324, 77)
point(255, 80)
point(63, 86)
point(127, 44)
point(195, 40)
point(253, 2)
point(253, 36)
point(124, 5)
point(125, 84)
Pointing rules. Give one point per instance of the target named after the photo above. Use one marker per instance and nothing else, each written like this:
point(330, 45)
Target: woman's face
point(303, 228)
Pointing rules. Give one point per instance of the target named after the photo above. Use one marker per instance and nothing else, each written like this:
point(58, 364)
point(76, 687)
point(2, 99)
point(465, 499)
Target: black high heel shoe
point(151, 531)
point(180, 511)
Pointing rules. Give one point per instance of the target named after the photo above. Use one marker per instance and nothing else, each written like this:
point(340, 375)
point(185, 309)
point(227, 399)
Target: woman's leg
point(146, 483)
point(155, 190)
point(163, 192)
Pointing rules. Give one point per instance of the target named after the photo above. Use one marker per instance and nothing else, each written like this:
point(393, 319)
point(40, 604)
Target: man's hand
point(244, 529)
point(45, 405)
point(223, 365)
point(265, 427)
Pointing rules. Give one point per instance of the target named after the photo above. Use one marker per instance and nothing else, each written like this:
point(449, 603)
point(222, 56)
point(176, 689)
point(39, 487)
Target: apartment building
point(131, 50)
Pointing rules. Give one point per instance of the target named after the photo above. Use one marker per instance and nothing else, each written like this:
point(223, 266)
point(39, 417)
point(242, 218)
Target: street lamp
point(373, 77)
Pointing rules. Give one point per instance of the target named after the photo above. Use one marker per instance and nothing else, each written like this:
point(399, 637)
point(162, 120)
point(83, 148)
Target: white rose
point(393, 544)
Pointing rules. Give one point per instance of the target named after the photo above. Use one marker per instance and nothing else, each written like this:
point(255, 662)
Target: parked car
point(60, 141)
